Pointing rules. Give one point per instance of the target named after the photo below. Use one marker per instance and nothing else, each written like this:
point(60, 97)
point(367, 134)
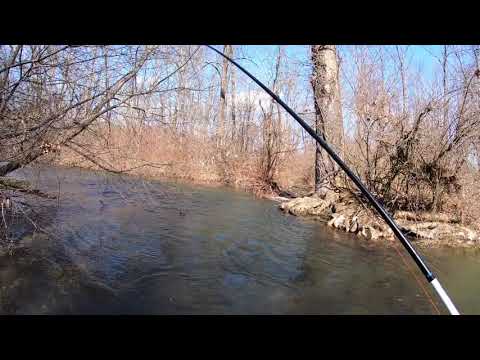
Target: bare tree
point(271, 131)
point(227, 50)
point(49, 95)
point(412, 156)
point(328, 115)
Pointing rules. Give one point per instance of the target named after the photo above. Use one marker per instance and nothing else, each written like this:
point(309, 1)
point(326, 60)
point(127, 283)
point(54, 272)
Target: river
point(120, 245)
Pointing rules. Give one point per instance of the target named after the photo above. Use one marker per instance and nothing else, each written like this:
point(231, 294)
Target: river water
point(120, 245)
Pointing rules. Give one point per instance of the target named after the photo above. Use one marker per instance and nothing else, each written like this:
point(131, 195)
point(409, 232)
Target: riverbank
point(243, 183)
point(345, 212)
point(191, 250)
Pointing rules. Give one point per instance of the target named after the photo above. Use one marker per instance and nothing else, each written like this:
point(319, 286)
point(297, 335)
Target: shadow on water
point(119, 245)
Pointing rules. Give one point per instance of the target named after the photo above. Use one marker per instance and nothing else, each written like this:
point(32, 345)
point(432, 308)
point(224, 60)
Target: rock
point(471, 235)
point(330, 222)
point(367, 232)
point(322, 193)
point(345, 213)
point(419, 230)
point(280, 199)
point(306, 206)
point(370, 233)
point(322, 210)
point(426, 217)
point(353, 225)
point(331, 197)
point(339, 222)
point(466, 234)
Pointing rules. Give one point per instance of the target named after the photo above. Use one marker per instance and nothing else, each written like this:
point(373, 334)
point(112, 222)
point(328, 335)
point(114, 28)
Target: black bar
point(383, 213)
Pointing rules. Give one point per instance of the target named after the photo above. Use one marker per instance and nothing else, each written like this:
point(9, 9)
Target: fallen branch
point(23, 187)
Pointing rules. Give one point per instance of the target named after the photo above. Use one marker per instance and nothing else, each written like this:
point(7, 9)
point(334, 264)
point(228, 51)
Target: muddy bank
point(345, 212)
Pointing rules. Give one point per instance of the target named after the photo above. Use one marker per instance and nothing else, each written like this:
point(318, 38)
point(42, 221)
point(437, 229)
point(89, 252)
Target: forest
point(406, 119)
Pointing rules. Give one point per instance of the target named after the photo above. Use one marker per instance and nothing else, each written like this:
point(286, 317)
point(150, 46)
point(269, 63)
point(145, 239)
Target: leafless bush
point(182, 112)
point(412, 150)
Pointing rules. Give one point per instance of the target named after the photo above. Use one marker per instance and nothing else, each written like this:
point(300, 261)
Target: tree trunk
point(270, 129)
point(328, 114)
point(445, 86)
point(227, 50)
point(234, 110)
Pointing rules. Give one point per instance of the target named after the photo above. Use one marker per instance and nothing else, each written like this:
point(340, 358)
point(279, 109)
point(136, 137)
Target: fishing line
point(419, 282)
point(376, 205)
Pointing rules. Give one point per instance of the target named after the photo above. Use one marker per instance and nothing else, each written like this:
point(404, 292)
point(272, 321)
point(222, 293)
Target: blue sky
point(259, 60)
point(420, 55)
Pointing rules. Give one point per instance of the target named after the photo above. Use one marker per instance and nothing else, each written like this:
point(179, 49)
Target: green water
point(125, 246)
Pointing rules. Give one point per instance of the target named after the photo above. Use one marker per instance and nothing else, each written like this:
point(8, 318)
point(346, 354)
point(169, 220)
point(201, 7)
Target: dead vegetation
point(181, 112)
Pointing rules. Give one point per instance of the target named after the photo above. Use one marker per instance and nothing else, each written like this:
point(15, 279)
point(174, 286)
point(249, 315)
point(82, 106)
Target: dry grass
point(155, 152)
point(158, 152)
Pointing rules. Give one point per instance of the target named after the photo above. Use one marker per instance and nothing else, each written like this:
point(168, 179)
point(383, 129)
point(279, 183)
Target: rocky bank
point(345, 212)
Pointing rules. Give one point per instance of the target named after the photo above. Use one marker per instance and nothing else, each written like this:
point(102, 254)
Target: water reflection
point(120, 245)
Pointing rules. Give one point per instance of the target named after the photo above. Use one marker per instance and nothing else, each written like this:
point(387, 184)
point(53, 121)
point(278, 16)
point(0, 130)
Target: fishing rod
point(383, 213)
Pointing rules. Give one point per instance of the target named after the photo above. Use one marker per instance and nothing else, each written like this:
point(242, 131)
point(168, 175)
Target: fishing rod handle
point(444, 296)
